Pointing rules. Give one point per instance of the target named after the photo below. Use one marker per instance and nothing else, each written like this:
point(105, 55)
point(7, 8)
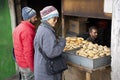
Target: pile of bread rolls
point(73, 42)
point(88, 49)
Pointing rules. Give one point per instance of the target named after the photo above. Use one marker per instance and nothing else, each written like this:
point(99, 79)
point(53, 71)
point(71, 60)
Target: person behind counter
point(93, 33)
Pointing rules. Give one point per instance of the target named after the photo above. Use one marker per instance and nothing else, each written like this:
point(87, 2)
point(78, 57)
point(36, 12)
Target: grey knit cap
point(28, 13)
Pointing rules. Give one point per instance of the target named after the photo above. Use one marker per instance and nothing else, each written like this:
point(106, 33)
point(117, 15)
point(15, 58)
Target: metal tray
point(87, 62)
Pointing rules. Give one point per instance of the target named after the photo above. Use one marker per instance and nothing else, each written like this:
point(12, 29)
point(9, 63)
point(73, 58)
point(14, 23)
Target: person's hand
point(62, 40)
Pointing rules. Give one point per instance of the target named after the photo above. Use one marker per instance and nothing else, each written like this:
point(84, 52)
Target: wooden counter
point(77, 72)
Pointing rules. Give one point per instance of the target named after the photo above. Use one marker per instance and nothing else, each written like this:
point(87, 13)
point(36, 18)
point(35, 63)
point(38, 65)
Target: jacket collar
point(47, 25)
point(28, 24)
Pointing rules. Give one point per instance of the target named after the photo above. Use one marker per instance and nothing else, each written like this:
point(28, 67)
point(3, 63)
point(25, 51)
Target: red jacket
point(23, 37)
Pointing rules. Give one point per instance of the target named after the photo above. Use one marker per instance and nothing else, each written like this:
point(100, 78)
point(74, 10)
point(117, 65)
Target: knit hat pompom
point(49, 12)
point(28, 13)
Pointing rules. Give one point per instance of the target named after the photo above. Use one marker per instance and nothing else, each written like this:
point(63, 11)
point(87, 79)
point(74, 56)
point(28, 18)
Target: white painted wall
point(115, 41)
point(12, 14)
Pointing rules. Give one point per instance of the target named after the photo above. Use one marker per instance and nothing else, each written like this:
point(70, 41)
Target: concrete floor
point(14, 77)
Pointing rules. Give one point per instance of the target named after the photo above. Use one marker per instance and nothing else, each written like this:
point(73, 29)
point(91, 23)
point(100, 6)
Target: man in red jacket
point(23, 37)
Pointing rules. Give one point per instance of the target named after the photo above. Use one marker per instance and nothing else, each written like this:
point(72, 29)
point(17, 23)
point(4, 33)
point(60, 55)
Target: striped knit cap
point(48, 12)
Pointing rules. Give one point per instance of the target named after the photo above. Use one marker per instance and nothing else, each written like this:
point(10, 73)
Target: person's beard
point(32, 22)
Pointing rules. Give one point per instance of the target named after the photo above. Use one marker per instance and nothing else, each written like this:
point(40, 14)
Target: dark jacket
point(92, 40)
